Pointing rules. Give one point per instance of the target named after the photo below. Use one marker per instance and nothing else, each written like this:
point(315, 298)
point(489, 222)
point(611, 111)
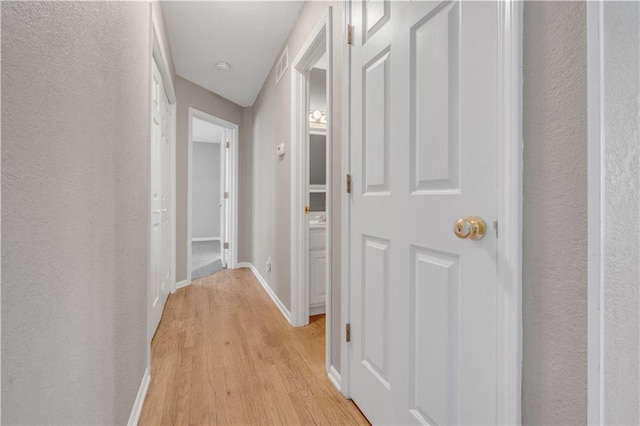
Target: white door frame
point(158, 55)
point(318, 43)
point(510, 175)
point(345, 246)
point(232, 232)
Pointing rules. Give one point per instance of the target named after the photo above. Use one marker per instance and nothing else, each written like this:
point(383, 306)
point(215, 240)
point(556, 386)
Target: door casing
point(232, 174)
point(318, 43)
point(509, 264)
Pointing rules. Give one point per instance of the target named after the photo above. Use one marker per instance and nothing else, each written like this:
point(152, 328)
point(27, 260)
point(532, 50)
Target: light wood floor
point(223, 354)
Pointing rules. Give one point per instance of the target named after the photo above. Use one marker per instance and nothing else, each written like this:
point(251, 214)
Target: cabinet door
point(317, 282)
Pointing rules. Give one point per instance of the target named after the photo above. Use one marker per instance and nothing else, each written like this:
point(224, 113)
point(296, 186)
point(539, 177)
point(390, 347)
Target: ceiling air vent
point(282, 64)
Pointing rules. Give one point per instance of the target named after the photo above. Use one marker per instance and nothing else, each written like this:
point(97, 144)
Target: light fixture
point(318, 119)
point(223, 66)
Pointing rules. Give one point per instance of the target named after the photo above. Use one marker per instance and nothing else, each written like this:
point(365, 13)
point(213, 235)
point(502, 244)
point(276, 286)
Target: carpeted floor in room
point(205, 258)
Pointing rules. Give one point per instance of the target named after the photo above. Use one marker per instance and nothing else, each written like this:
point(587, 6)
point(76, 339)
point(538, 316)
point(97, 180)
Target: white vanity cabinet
point(317, 269)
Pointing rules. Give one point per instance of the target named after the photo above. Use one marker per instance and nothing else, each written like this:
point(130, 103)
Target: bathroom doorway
point(312, 182)
point(317, 188)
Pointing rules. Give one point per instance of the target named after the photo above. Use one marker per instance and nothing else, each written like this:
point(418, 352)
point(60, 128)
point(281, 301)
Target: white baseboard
point(317, 310)
point(335, 378)
point(267, 288)
point(139, 402)
point(182, 284)
point(201, 239)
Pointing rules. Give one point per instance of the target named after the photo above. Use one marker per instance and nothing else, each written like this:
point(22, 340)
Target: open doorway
point(311, 171)
point(211, 194)
point(207, 215)
point(317, 188)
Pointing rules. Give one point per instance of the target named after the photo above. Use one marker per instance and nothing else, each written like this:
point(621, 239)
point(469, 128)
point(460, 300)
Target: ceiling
point(203, 131)
point(247, 34)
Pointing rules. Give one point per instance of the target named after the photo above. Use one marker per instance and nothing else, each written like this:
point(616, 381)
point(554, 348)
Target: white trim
point(174, 208)
point(203, 239)
point(283, 309)
point(159, 49)
point(335, 378)
point(233, 187)
point(139, 402)
point(510, 146)
point(345, 279)
point(182, 283)
point(317, 44)
point(595, 214)
point(329, 213)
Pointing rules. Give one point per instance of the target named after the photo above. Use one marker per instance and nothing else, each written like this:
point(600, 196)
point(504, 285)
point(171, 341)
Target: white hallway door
point(423, 148)
point(160, 199)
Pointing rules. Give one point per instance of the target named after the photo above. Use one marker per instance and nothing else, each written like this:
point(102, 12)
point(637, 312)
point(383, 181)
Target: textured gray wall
point(245, 189)
point(622, 212)
point(555, 214)
point(75, 195)
point(188, 95)
point(206, 190)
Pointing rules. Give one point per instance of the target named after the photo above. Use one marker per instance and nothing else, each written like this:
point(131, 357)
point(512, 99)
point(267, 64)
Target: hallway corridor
point(223, 354)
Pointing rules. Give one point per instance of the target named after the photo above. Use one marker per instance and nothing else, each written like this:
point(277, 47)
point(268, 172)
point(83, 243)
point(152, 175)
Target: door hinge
point(307, 210)
point(348, 332)
point(349, 34)
point(348, 184)
point(226, 245)
point(226, 195)
point(227, 144)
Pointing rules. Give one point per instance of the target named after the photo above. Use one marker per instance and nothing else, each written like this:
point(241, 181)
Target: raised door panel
point(375, 14)
point(375, 111)
point(434, 319)
point(375, 308)
point(435, 101)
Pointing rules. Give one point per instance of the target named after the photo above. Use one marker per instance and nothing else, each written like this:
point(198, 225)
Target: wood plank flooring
point(223, 354)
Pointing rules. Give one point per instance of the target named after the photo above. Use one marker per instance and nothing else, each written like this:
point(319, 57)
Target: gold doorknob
point(472, 227)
